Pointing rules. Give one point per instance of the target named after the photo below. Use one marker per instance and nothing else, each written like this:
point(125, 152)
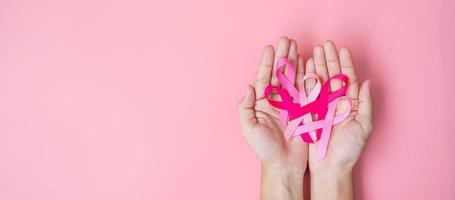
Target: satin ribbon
point(296, 107)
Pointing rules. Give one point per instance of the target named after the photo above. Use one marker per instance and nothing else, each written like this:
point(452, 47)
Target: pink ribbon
point(296, 107)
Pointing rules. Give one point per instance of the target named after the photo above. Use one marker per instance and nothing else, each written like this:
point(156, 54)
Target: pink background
point(137, 99)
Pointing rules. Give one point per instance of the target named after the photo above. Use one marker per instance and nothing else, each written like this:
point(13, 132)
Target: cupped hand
point(349, 137)
point(259, 121)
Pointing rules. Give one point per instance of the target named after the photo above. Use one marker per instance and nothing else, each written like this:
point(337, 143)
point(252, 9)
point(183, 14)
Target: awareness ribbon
point(296, 107)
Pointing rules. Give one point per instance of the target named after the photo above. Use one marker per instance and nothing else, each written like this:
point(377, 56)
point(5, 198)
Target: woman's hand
point(334, 172)
point(283, 162)
point(260, 121)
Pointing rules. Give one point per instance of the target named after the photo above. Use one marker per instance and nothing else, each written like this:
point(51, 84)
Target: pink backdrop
point(137, 99)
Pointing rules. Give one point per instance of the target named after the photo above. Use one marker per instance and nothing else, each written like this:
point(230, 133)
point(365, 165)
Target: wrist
point(296, 168)
point(333, 184)
point(332, 176)
point(281, 183)
point(283, 172)
point(331, 171)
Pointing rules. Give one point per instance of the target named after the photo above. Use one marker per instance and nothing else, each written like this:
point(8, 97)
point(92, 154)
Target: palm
point(349, 137)
point(346, 144)
point(260, 125)
point(266, 139)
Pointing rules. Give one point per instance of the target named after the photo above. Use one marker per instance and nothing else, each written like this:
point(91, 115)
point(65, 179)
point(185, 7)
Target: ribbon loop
point(297, 109)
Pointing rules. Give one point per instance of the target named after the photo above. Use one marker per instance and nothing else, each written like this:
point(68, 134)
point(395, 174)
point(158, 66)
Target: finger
point(246, 110)
point(264, 73)
point(365, 113)
point(310, 68)
point(310, 83)
point(300, 71)
point(292, 55)
point(320, 64)
point(347, 68)
point(333, 64)
point(282, 50)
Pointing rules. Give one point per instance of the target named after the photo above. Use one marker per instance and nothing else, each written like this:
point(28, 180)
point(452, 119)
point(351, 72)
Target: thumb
point(365, 112)
point(246, 109)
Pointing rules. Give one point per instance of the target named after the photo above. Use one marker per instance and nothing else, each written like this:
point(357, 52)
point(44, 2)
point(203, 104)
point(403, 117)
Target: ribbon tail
point(326, 132)
point(292, 126)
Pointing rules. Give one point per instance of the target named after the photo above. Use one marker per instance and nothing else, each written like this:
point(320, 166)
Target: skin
point(285, 162)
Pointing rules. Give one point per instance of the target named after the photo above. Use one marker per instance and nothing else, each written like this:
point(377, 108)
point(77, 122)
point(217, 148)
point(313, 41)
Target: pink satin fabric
point(297, 109)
